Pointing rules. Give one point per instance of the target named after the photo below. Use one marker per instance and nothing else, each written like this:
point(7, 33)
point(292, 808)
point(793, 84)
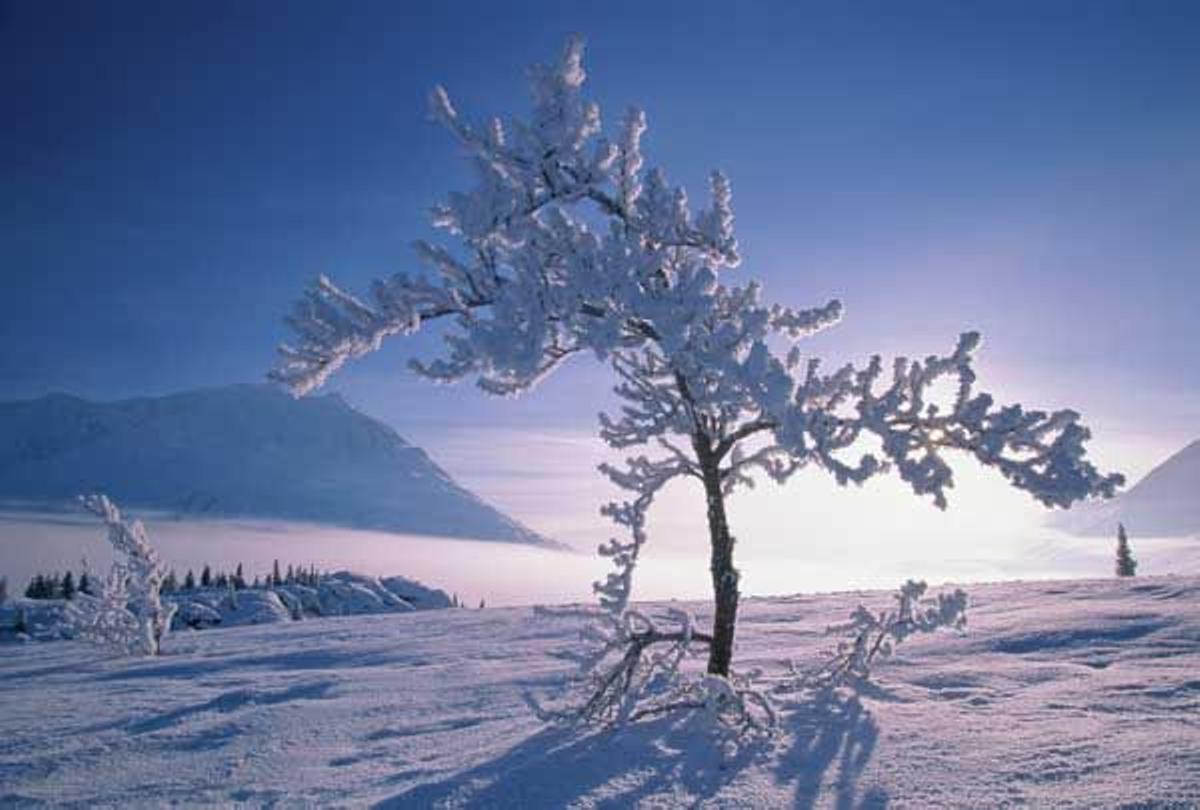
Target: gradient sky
point(172, 174)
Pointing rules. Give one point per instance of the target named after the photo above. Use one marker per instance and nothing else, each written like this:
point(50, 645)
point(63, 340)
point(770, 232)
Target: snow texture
point(244, 450)
point(1061, 694)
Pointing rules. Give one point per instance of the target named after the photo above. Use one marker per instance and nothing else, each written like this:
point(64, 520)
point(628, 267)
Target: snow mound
point(341, 594)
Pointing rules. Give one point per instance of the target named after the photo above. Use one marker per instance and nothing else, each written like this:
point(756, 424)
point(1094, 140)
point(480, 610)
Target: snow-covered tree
point(1126, 564)
point(128, 614)
point(568, 245)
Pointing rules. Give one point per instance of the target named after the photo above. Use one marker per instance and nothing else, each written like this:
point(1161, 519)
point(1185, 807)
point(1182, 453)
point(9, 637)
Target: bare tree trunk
point(724, 575)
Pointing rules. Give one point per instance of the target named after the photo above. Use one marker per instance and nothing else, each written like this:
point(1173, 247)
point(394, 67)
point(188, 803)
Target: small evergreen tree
point(206, 577)
point(276, 578)
point(3, 590)
point(31, 590)
point(85, 583)
point(1126, 564)
point(189, 581)
point(257, 583)
point(481, 604)
point(68, 586)
point(239, 578)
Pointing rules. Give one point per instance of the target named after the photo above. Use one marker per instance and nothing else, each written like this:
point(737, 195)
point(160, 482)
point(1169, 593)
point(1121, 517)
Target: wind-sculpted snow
point(1060, 694)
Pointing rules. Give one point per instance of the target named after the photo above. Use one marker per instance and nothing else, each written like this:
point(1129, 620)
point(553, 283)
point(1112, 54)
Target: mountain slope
point(1166, 503)
point(245, 450)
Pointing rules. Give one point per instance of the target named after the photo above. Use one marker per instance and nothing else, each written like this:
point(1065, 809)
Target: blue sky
point(171, 175)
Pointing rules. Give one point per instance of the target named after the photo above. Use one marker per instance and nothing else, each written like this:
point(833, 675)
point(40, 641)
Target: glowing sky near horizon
point(173, 175)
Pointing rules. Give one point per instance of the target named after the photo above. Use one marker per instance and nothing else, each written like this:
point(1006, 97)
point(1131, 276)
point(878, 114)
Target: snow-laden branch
point(129, 614)
point(868, 635)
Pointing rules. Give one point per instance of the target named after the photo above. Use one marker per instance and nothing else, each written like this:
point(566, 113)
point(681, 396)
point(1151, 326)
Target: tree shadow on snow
point(831, 739)
point(672, 758)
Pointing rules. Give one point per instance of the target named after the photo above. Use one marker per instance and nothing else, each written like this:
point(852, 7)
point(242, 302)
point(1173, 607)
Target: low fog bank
point(505, 574)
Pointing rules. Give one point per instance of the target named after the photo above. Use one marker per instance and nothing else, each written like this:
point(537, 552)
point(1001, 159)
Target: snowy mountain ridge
point(1165, 503)
point(244, 451)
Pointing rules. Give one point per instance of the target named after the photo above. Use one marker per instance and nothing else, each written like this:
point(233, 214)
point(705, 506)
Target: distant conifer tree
point(1126, 564)
point(68, 586)
point(276, 578)
point(206, 577)
point(189, 581)
point(85, 583)
point(239, 578)
point(3, 589)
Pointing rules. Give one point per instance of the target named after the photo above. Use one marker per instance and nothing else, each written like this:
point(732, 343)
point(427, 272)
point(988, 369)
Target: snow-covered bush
point(569, 246)
point(129, 614)
point(870, 635)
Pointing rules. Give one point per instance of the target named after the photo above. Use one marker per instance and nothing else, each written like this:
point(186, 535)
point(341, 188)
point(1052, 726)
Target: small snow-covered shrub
point(129, 614)
point(869, 635)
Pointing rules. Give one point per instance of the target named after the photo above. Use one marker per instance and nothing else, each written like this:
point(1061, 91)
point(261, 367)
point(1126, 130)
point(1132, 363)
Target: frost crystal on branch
point(569, 244)
point(129, 614)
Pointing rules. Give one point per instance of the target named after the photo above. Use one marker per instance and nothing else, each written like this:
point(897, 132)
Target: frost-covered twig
point(129, 614)
point(869, 635)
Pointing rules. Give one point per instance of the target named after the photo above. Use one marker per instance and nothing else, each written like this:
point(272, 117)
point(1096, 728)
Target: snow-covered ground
point(1061, 693)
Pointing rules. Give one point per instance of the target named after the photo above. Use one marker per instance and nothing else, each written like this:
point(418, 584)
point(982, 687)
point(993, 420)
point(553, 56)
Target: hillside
point(245, 451)
point(1165, 503)
point(1059, 694)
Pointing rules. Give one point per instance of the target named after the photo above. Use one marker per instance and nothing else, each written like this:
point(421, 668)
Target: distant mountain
point(244, 450)
point(1166, 503)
